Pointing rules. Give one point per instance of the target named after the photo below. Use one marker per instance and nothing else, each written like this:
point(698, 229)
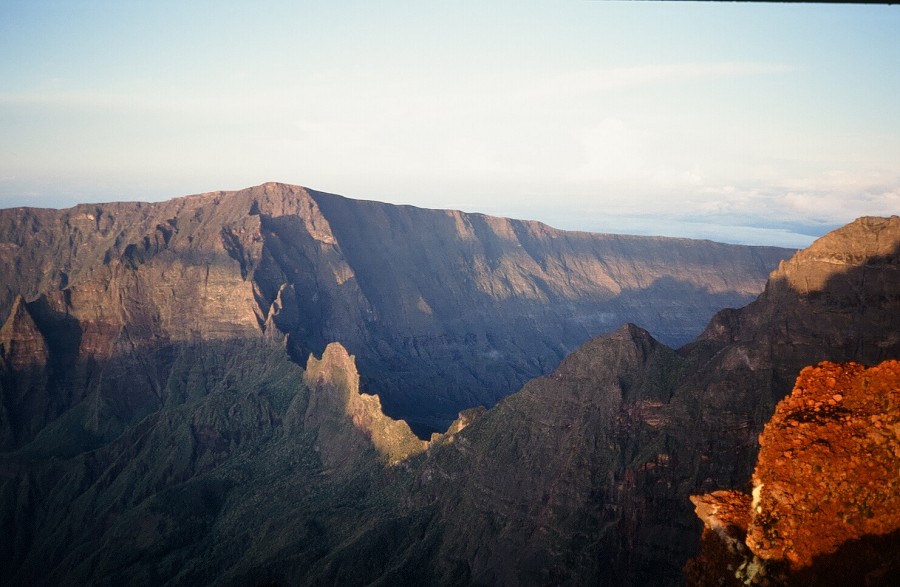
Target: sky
point(749, 123)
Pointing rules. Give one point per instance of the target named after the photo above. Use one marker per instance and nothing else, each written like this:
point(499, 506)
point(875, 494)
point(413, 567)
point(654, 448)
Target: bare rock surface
point(335, 398)
point(21, 343)
point(584, 476)
point(825, 504)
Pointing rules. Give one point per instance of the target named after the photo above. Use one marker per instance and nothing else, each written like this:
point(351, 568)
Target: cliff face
point(509, 299)
point(21, 343)
point(444, 310)
point(842, 286)
point(253, 467)
point(825, 505)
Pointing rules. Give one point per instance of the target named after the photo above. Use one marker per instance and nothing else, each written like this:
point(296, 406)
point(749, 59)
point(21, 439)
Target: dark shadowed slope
point(250, 466)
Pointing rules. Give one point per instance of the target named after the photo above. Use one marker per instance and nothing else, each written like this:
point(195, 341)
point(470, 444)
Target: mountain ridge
point(413, 296)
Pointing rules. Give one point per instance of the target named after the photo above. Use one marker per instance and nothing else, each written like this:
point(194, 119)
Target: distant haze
point(748, 123)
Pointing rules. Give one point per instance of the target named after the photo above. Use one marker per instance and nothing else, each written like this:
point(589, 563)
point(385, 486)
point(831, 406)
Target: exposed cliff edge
point(443, 310)
point(825, 504)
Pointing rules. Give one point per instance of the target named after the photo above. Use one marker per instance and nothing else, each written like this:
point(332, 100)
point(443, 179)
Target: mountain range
point(444, 310)
point(166, 417)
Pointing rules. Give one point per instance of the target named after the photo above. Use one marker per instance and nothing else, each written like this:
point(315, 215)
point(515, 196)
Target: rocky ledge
point(825, 503)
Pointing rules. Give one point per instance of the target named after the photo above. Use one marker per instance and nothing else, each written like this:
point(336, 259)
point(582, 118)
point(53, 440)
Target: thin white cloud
point(825, 200)
point(504, 89)
point(177, 101)
point(616, 78)
point(429, 138)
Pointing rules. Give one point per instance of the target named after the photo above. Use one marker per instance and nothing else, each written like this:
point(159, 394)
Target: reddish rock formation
point(825, 505)
point(609, 447)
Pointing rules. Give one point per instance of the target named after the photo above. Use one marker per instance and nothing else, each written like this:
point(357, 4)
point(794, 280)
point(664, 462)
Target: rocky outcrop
point(251, 466)
point(21, 343)
point(825, 504)
point(24, 354)
point(335, 398)
point(531, 492)
point(845, 285)
point(443, 310)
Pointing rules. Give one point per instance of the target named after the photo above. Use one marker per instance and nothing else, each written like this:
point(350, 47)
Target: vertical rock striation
point(21, 343)
point(157, 426)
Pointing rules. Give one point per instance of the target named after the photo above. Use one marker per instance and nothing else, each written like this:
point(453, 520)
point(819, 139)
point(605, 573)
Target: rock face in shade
point(443, 310)
point(251, 467)
point(825, 505)
point(23, 360)
point(537, 491)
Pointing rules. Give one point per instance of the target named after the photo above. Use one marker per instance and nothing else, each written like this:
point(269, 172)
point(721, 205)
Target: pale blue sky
point(755, 123)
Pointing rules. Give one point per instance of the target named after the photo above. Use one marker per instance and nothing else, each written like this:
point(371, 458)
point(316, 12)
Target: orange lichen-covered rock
point(829, 464)
point(825, 506)
point(725, 516)
point(725, 512)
